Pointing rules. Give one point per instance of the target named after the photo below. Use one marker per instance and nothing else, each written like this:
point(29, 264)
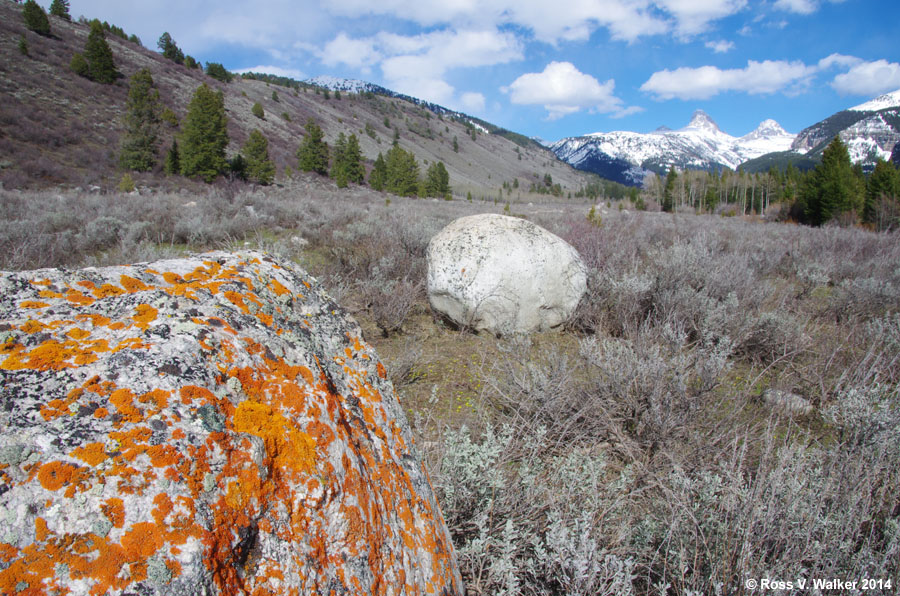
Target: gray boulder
point(208, 425)
point(503, 274)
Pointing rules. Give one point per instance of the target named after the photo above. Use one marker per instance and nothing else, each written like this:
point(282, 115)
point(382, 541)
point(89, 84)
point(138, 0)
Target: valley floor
point(723, 408)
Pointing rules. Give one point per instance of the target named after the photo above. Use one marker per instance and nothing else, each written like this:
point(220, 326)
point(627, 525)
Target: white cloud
point(797, 6)
point(472, 102)
point(562, 89)
point(868, 78)
point(275, 70)
point(839, 60)
point(694, 16)
point(417, 64)
point(356, 53)
point(721, 46)
point(704, 82)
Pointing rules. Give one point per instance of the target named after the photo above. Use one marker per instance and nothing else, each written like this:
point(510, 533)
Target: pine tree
point(883, 183)
point(218, 72)
point(257, 110)
point(169, 48)
point(260, 168)
point(60, 8)
point(832, 188)
point(378, 175)
point(402, 172)
point(437, 180)
point(338, 166)
point(142, 117)
point(312, 154)
point(98, 55)
point(455, 144)
point(668, 202)
point(173, 160)
point(356, 173)
point(35, 18)
point(23, 45)
point(205, 135)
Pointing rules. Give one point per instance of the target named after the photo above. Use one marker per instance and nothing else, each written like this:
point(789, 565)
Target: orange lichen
point(77, 333)
point(101, 413)
point(31, 326)
point(92, 454)
point(278, 288)
point(237, 300)
point(107, 290)
point(144, 315)
point(33, 304)
point(123, 399)
point(288, 446)
point(56, 474)
point(76, 297)
point(132, 284)
point(381, 371)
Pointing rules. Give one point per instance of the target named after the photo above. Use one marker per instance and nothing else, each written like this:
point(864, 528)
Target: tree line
point(199, 149)
point(835, 190)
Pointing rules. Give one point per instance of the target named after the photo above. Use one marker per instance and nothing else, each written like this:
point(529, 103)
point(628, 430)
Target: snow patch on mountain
point(340, 84)
point(888, 100)
point(699, 145)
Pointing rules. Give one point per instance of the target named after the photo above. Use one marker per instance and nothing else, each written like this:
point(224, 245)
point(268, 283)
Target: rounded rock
point(503, 274)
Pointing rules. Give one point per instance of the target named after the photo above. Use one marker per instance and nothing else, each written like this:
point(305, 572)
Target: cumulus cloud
point(562, 89)
point(417, 64)
point(797, 6)
point(704, 82)
point(472, 102)
point(356, 53)
point(694, 16)
point(721, 46)
point(868, 78)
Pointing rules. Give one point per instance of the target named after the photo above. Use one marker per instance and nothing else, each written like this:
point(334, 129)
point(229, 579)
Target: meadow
point(723, 407)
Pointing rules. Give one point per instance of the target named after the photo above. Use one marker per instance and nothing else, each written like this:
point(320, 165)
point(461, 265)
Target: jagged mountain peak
point(702, 121)
point(767, 129)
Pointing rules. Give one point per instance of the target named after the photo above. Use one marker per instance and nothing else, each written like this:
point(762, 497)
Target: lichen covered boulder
point(208, 425)
point(503, 274)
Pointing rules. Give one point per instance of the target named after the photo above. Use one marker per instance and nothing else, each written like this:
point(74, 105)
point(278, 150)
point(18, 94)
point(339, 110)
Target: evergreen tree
point(260, 168)
point(205, 135)
point(437, 180)
point(347, 162)
point(338, 167)
point(218, 72)
point(455, 144)
point(378, 175)
point(191, 62)
point(668, 202)
point(79, 65)
point(142, 116)
point(832, 188)
point(23, 45)
point(35, 18)
point(173, 160)
point(169, 48)
point(313, 151)
point(60, 8)
point(883, 183)
point(402, 172)
point(257, 110)
point(98, 55)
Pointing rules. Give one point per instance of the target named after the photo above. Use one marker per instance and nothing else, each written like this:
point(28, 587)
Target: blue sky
point(553, 69)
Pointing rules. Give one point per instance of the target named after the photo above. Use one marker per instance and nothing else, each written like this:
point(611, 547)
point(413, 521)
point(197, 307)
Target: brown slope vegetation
point(59, 128)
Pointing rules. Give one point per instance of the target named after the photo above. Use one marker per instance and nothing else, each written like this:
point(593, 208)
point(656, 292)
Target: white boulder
point(503, 275)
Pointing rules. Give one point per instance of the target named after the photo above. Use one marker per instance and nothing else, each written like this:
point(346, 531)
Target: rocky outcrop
point(209, 425)
point(503, 274)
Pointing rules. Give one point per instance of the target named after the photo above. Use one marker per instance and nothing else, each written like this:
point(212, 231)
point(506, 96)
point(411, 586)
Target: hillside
point(59, 128)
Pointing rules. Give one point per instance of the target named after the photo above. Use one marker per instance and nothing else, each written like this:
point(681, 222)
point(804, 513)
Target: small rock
point(790, 403)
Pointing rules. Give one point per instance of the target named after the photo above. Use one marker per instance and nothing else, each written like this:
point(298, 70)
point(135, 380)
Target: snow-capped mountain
point(345, 85)
point(628, 156)
point(871, 130)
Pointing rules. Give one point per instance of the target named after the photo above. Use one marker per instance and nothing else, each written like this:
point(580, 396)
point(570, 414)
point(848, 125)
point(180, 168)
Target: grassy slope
point(60, 128)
